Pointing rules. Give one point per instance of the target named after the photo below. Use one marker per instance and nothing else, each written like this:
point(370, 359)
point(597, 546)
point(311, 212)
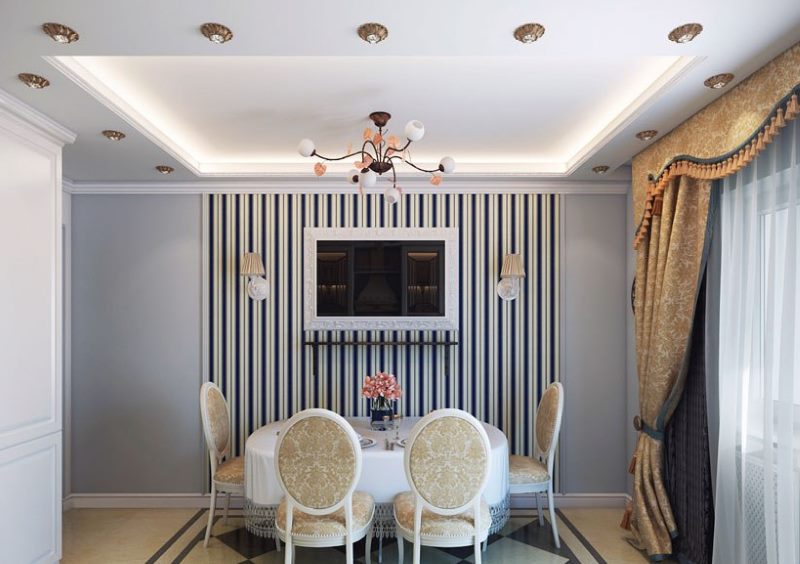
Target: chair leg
point(553, 515)
point(368, 548)
point(400, 542)
point(211, 514)
point(417, 549)
point(539, 508)
point(288, 558)
point(380, 549)
point(227, 509)
point(277, 542)
point(477, 549)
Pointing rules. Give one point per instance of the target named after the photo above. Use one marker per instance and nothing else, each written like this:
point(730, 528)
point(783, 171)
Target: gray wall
point(593, 443)
point(136, 338)
point(136, 344)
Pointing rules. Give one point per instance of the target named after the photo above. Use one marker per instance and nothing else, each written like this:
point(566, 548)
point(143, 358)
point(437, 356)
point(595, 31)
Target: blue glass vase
point(381, 414)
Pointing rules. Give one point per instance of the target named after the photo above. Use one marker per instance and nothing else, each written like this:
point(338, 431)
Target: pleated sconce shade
point(252, 265)
point(512, 267)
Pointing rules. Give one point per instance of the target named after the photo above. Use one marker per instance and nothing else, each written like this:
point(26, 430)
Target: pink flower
point(319, 169)
point(381, 385)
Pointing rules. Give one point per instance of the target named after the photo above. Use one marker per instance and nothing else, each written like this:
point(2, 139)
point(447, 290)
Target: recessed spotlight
point(114, 135)
point(34, 80)
point(216, 33)
point(60, 33)
point(164, 169)
point(373, 32)
point(647, 134)
point(718, 80)
point(685, 33)
point(601, 169)
point(529, 32)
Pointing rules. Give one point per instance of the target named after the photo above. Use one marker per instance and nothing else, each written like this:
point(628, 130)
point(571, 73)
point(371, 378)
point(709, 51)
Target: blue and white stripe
point(508, 352)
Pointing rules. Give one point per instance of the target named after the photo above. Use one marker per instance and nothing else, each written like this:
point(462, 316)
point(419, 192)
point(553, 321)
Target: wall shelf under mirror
point(316, 344)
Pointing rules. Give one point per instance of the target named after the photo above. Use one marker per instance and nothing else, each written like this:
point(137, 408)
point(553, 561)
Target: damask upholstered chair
point(447, 459)
point(318, 464)
point(227, 473)
point(535, 475)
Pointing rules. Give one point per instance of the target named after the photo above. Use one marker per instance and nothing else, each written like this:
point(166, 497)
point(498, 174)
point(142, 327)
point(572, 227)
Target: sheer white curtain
point(757, 497)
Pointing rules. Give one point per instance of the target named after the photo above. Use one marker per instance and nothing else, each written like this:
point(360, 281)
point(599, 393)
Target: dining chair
point(535, 474)
point(227, 474)
point(447, 459)
point(318, 464)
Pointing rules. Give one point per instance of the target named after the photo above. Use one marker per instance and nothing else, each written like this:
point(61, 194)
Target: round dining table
point(382, 475)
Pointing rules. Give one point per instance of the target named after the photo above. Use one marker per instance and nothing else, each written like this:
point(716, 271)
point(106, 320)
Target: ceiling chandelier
point(379, 154)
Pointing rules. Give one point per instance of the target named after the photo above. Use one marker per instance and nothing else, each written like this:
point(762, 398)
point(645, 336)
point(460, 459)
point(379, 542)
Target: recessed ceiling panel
point(244, 116)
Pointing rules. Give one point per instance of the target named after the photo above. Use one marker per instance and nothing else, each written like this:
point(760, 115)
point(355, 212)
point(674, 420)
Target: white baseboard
point(572, 500)
point(164, 501)
point(142, 501)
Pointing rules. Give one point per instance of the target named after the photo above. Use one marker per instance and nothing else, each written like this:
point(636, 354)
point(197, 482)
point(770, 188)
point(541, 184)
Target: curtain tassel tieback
point(626, 517)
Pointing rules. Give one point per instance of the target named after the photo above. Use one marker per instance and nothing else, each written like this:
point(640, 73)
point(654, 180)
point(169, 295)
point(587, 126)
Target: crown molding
point(480, 184)
point(44, 125)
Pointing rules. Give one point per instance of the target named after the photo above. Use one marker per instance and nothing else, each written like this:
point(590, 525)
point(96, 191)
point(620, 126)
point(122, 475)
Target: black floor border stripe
point(592, 550)
point(173, 539)
point(192, 543)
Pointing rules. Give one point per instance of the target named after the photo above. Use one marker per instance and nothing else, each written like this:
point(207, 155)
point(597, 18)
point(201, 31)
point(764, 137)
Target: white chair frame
point(351, 536)
point(548, 458)
point(420, 503)
point(216, 457)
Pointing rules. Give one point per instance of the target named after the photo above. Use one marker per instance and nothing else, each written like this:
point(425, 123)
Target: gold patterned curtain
point(668, 267)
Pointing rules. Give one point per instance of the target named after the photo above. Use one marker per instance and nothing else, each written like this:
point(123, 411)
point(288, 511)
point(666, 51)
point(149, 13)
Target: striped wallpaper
point(508, 352)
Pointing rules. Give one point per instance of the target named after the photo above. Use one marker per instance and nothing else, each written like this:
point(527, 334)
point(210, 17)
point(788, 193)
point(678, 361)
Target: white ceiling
point(571, 101)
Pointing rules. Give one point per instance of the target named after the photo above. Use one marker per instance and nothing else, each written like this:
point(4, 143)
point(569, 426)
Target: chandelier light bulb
point(352, 176)
point(368, 179)
point(392, 195)
point(415, 130)
point(447, 165)
point(306, 148)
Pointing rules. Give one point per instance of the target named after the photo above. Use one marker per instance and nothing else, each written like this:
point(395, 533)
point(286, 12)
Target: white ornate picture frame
point(446, 322)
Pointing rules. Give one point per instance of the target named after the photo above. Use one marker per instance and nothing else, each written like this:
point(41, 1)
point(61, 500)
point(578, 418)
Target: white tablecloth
point(382, 475)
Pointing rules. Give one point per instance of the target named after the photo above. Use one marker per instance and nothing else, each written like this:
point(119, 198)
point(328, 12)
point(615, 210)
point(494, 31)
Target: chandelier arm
point(377, 153)
point(403, 148)
point(409, 163)
point(315, 154)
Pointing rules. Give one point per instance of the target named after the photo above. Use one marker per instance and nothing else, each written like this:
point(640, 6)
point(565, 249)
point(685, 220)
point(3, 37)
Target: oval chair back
point(216, 423)
point(318, 465)
point(548, 424)
point(447, 460)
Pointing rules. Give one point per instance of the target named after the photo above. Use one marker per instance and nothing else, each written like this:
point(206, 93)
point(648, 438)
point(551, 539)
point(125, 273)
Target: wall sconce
point(253, 267)
point(509, 286)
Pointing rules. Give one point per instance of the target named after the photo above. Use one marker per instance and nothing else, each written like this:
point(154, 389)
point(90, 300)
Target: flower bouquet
point(383, 390)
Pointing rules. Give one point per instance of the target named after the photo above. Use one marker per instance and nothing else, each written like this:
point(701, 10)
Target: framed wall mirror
point(364, 278)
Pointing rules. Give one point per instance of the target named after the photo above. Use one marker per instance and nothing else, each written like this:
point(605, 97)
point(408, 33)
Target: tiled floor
point(176, 535)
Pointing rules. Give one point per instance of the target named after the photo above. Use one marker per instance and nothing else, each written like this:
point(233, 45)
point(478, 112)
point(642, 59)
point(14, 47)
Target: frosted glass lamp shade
point(447, 165)
point(508, 289)
point(306, 147)
point(252, 265)
point(258, 288)
point(512, 267)
point(392, 195)
point(368, 179)
point(352, 176)
point(414, 130)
